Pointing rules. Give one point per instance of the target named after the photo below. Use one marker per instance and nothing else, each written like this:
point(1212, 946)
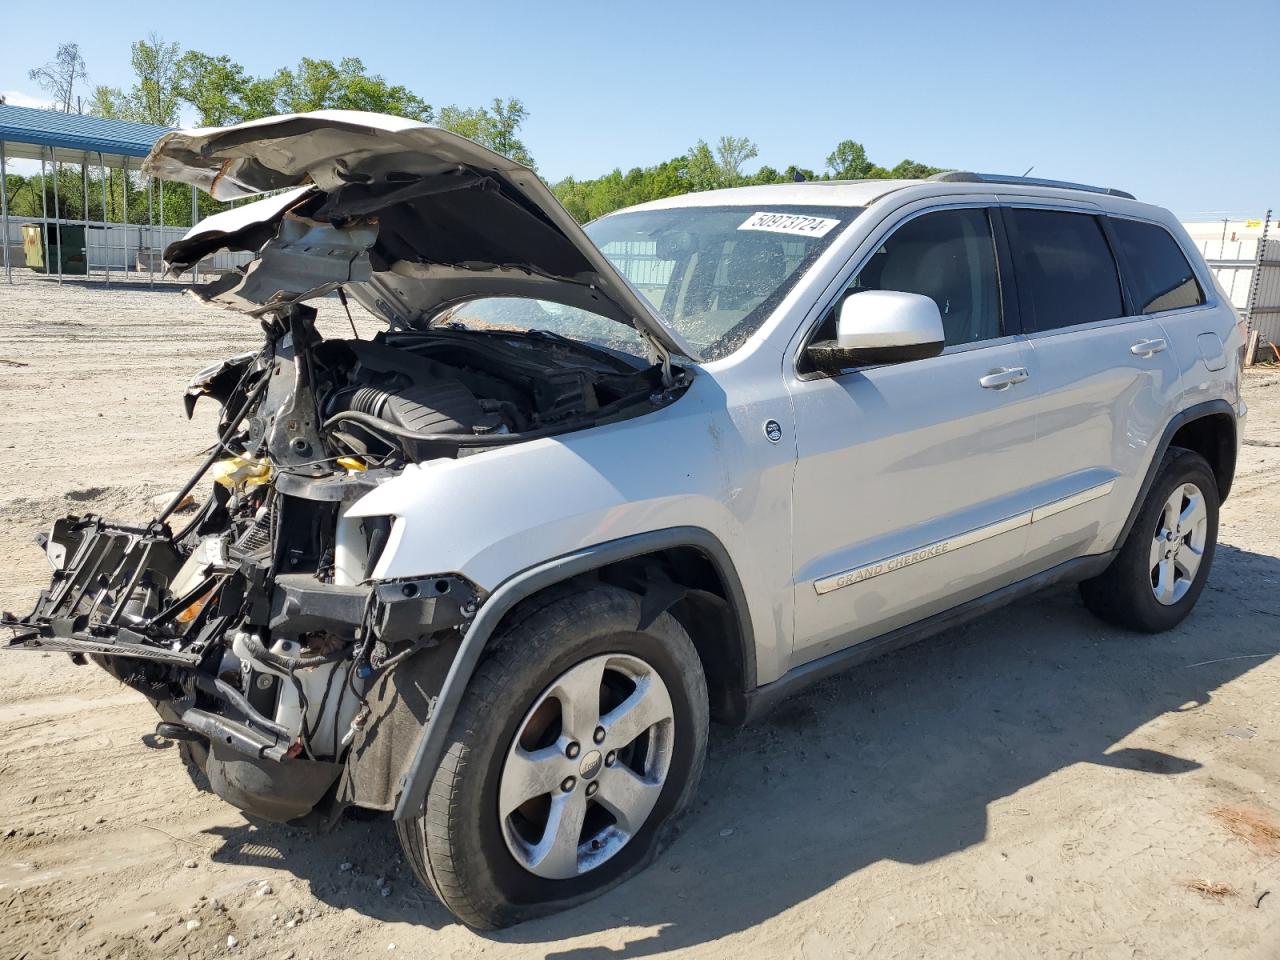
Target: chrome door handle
point(1003, 377)
point(1147, 348)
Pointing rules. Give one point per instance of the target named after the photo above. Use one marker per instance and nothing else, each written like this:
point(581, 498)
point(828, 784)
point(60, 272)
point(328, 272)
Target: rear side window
point(1066, 273)
point(1159, 276)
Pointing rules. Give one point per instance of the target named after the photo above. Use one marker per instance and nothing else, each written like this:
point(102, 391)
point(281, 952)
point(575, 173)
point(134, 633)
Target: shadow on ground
point(896, 760)
point(136, 282)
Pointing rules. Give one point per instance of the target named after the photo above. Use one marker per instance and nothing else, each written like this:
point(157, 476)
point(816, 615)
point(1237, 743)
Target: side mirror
point(880, 326)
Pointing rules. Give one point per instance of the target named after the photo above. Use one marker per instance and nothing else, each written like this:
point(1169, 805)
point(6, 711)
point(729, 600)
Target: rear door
point(911, 484)
point(1105, 373)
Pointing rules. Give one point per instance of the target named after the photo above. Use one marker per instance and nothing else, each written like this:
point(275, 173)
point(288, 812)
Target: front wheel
point(578, 741)
point(1160, 570)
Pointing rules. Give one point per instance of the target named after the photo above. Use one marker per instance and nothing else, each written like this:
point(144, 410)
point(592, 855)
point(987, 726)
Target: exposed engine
point(257, 629)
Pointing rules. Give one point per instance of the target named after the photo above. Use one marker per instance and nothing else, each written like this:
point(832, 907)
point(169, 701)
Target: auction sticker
point(793, 223)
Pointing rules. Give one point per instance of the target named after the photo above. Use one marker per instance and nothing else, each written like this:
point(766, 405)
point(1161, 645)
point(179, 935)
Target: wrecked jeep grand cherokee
point(495, 568)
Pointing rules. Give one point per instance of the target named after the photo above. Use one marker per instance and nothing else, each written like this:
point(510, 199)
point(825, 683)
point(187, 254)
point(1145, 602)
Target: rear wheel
point(1161, 569)
point(578, 741)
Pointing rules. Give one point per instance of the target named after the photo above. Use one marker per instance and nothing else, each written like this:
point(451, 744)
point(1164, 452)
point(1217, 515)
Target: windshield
point(715, 273)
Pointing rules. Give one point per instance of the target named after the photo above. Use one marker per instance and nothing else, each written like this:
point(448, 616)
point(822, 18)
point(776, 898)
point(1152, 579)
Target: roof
point(28, 133)
point(822, 193)
point(862, 193)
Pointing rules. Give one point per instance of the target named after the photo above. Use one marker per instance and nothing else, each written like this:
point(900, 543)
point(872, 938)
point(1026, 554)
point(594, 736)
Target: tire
point(1126, 592)
point(475, 858)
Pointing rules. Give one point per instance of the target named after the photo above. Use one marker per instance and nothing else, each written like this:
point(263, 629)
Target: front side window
point(1066, 273)
point(716, 273)
point(1159, 276)
point(949, 256)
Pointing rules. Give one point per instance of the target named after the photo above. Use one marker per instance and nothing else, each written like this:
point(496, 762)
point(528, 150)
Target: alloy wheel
point(1178, 546)
point(586, 766)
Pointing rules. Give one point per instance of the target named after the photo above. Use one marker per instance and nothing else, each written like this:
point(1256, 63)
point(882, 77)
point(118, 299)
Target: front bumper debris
point(111, 599)
point(105, 595)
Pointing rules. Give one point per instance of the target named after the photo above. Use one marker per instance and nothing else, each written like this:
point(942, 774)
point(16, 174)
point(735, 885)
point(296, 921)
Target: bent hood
point(406, 217)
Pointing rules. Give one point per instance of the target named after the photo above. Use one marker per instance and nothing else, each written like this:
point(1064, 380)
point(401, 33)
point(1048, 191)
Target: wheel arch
point(684, 570)
point(1213, 436)
point(1209, 429)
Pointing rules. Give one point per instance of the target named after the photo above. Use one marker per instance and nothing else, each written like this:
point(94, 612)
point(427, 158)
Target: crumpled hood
point(406, 217)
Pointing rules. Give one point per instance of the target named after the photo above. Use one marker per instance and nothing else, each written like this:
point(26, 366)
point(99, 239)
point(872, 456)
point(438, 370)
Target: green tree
point(589, 199)
point(768, 174)
point(345, 85)
point(259, 99)
point(911, 170)
point(107, 102)
point(794, 174)
point(496, 127)
point(154, 97)
point(702, 172)
point(712, 170)
point(217, 87)
point(848, 161)
point(222, 92)
point(732, 153)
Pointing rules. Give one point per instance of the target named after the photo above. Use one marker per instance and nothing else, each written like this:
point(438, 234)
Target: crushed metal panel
point(306, 259)
point(401, 168)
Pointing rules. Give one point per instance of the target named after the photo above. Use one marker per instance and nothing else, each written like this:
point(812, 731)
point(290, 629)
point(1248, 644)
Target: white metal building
point(1245, 257)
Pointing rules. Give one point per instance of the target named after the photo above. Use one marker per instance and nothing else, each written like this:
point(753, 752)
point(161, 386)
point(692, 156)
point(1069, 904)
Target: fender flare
point(1180, 419)
point(416, 777)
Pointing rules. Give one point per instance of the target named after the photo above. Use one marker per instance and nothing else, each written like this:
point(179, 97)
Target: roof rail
point(964, 176)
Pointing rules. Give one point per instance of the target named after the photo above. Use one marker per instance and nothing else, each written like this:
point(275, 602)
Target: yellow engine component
point(352, 463)
point(240, 473)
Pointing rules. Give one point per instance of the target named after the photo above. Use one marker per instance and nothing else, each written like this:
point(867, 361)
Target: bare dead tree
point(60, 75)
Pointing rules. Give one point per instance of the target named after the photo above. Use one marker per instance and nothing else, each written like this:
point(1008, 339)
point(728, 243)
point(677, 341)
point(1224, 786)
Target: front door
point(913, 480)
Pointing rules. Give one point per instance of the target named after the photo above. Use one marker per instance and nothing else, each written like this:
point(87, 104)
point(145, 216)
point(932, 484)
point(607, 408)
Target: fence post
point(195, 216)
point(1255, 281)
point(160, 187)
point(151, 234)
point(57, 220)
point(106, 245)
point(84, 187)
point(4, 210)
point(44, 211)
point(124, 211)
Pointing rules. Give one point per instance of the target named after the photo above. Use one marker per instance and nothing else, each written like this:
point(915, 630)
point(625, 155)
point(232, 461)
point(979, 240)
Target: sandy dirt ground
point(1035, 784)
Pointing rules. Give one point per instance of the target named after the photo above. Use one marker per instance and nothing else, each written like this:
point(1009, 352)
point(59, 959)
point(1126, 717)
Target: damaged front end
point(254, 629)
point(259, 628)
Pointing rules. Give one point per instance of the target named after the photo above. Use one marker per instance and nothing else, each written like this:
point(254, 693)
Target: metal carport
point(55, 138)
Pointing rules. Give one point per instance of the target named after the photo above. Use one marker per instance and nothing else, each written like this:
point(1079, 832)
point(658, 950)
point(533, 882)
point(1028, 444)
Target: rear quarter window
point(1157, 271)
point(1066, 274)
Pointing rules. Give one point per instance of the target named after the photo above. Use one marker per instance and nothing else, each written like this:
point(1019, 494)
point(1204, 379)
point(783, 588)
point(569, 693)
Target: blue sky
point(1164, 99)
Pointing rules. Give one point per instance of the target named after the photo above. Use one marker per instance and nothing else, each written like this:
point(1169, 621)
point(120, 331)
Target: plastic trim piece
point(967, 539)
point(964, 176)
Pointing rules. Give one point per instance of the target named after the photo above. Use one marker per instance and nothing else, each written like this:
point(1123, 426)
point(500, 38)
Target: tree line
point(170, 83)
point(703, 167)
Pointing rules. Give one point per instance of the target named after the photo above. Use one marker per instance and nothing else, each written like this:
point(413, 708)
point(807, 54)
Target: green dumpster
point(66, 243)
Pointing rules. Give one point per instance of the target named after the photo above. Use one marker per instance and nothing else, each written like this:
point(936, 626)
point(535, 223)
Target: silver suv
point(494, 569)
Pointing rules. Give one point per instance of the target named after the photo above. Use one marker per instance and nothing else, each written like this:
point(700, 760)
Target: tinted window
point(949, 256)
point(1158, 274)
point(1066, 274)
